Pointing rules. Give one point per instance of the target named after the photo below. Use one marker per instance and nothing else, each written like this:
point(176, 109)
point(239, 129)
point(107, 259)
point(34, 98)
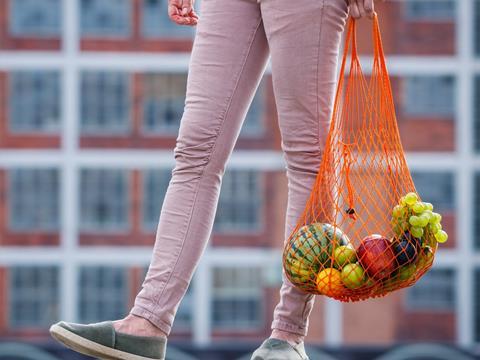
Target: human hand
point(182, 13)
point(361, 8)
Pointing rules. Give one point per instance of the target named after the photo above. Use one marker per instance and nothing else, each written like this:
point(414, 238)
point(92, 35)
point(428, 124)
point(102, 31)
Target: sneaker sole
point(90, 348)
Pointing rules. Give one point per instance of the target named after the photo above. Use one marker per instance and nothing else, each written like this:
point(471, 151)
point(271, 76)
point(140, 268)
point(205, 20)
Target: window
point(476, 27)
point(183, 318)
point(33, 199)
point(434, 291)
point(35, 18)
point(253, 125)
point(476, 120)
point(156, 22)
point(237, 298)
point(437, 188)
point(34, 98)
point(430, 10)
point(103, 293)
point(429, 96)
point(33, 296)
point(104, 200)
point(240, 203)
point(476, 213)
point(163, 102)
point(477, 304)
point(101, 18)
point(105, 104)
point(155, 183)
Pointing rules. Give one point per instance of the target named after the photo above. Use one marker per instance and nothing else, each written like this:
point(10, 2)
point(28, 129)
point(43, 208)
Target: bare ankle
point(136, 325)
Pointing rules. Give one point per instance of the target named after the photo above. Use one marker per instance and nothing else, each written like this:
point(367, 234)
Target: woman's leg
point(304, 44)
point(228, 59)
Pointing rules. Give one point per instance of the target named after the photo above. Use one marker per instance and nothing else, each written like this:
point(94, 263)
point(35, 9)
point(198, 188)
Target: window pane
point(156, 22)
point(430, 10)
point(476, 27)
point(476, 132)
point(240, 203)
point(237, 298)
point(155, 183)
point(163, 102)
point(253, 125)
point(33, 199)
point(183, 318)
point(436, 188)
point(34, 101)
point(105, 103)
point(477, 304)
point(105, 17)
point(429, 96)
point(103, 293)
point(476, 214)
point(33, 296)
point(434, 291)
point(104, 200)
point(35, 17)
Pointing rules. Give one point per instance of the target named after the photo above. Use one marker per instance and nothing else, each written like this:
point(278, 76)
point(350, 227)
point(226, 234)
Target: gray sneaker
point(102, 341)
point(275, 349)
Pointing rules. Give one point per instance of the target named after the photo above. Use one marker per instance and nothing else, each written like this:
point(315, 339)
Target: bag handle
point(351, 40)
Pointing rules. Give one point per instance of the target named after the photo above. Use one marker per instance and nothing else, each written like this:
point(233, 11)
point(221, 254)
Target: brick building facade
point(91, 96)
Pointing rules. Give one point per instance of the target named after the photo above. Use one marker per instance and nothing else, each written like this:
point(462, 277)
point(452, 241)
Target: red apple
point(377, 257)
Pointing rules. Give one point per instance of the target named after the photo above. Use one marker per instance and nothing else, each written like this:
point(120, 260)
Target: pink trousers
point(233, 41)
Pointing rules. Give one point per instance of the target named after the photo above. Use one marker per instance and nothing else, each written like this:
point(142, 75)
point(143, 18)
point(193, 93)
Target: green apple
point(353, 276)
point(344, 254)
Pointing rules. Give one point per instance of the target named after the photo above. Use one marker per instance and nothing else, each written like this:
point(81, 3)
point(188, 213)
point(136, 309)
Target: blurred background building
point(91, 96)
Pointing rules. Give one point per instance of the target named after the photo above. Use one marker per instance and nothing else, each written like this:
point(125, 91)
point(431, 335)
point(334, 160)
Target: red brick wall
point(371, 322)
point(435, 326)
point(404, 37)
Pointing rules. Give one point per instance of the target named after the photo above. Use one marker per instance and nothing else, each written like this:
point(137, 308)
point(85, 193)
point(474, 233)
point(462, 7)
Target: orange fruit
point(329, 282)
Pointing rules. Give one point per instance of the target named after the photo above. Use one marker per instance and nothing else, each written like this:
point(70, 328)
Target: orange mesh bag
point(364, 231)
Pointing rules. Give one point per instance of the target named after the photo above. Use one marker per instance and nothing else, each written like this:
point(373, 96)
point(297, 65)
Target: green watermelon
point(310, 249)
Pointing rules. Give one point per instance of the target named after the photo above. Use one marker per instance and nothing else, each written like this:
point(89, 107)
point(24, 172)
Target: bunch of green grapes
point(417, 217)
